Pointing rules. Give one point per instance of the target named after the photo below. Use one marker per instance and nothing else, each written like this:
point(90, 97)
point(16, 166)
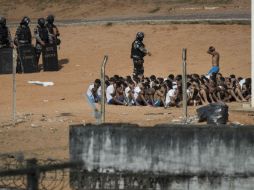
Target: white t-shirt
point(109, 91)
point(127, 90)
point(170, 94)
point(99, 91)
point(241, 82)
point(189, 93)
point(174, 85)
point(137, 90)
point(89, 90)
point(151, 84)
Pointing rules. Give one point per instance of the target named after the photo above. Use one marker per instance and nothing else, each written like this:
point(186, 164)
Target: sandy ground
point(96, 9)
point(45, 113)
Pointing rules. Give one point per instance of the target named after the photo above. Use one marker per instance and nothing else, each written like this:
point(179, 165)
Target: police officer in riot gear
point(5, 35)
point(23, 36)
point(138, 52)
point(42, 36)
point(53, 30)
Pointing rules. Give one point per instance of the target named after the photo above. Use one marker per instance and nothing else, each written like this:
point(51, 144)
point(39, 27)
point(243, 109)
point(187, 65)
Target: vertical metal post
point(184, 84)
point(14, 89)
point(252, 57)
point(32, 177)
point(103, 88)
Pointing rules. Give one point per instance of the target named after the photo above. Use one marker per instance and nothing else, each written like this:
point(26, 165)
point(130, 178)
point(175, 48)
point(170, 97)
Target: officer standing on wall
point(42, 37)
point(5, 35)
point(138, 52)
point(53, 30)
point(23, 36)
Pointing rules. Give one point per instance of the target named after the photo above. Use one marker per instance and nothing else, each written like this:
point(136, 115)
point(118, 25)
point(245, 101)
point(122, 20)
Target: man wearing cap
point(215, 61)
point(138, 52)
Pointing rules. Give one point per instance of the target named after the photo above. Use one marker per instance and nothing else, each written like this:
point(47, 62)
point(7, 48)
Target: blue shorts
point(214, 69)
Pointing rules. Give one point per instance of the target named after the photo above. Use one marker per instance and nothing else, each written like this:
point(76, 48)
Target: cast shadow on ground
point(61, 62)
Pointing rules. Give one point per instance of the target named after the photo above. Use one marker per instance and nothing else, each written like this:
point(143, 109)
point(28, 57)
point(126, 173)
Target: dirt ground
point(45, 113)
point(98, 9)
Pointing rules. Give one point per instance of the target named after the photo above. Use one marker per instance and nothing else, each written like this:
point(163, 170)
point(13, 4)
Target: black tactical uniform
point(5, 35)
point(53, 30)
point(23, 36)
point(138, 52)
point(42, 36)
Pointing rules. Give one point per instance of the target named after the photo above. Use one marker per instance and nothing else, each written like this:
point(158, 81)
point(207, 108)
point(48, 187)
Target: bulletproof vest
point(24, 34)
point(4, 35)
point(43, 33)
point(50, 28)
point(135, 52)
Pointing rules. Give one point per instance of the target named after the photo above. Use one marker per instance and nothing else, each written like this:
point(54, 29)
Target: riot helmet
point(140, 36)
point(2, 21)
point(25, 21)
point(50, 19)
point(41, 22)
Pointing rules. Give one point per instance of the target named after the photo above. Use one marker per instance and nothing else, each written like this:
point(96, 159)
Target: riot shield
point(27, 58)
point(50, 58)
point(6, 60)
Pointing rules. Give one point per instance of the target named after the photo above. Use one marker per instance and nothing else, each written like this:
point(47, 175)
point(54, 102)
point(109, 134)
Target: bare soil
point(45, 113)
point(96, 9)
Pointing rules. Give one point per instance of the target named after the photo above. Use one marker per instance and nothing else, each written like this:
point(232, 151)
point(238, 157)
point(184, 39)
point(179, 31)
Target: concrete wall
point(193, 154)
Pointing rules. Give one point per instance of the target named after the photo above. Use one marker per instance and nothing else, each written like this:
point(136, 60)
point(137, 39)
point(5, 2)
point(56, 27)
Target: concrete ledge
point(168, 149)
point(163, 157)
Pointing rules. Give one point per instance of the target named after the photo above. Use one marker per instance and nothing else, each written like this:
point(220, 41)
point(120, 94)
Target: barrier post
point(14, 89)
point(33, 177)
point(103, 90)
point(252, 57)
point(184, 84)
